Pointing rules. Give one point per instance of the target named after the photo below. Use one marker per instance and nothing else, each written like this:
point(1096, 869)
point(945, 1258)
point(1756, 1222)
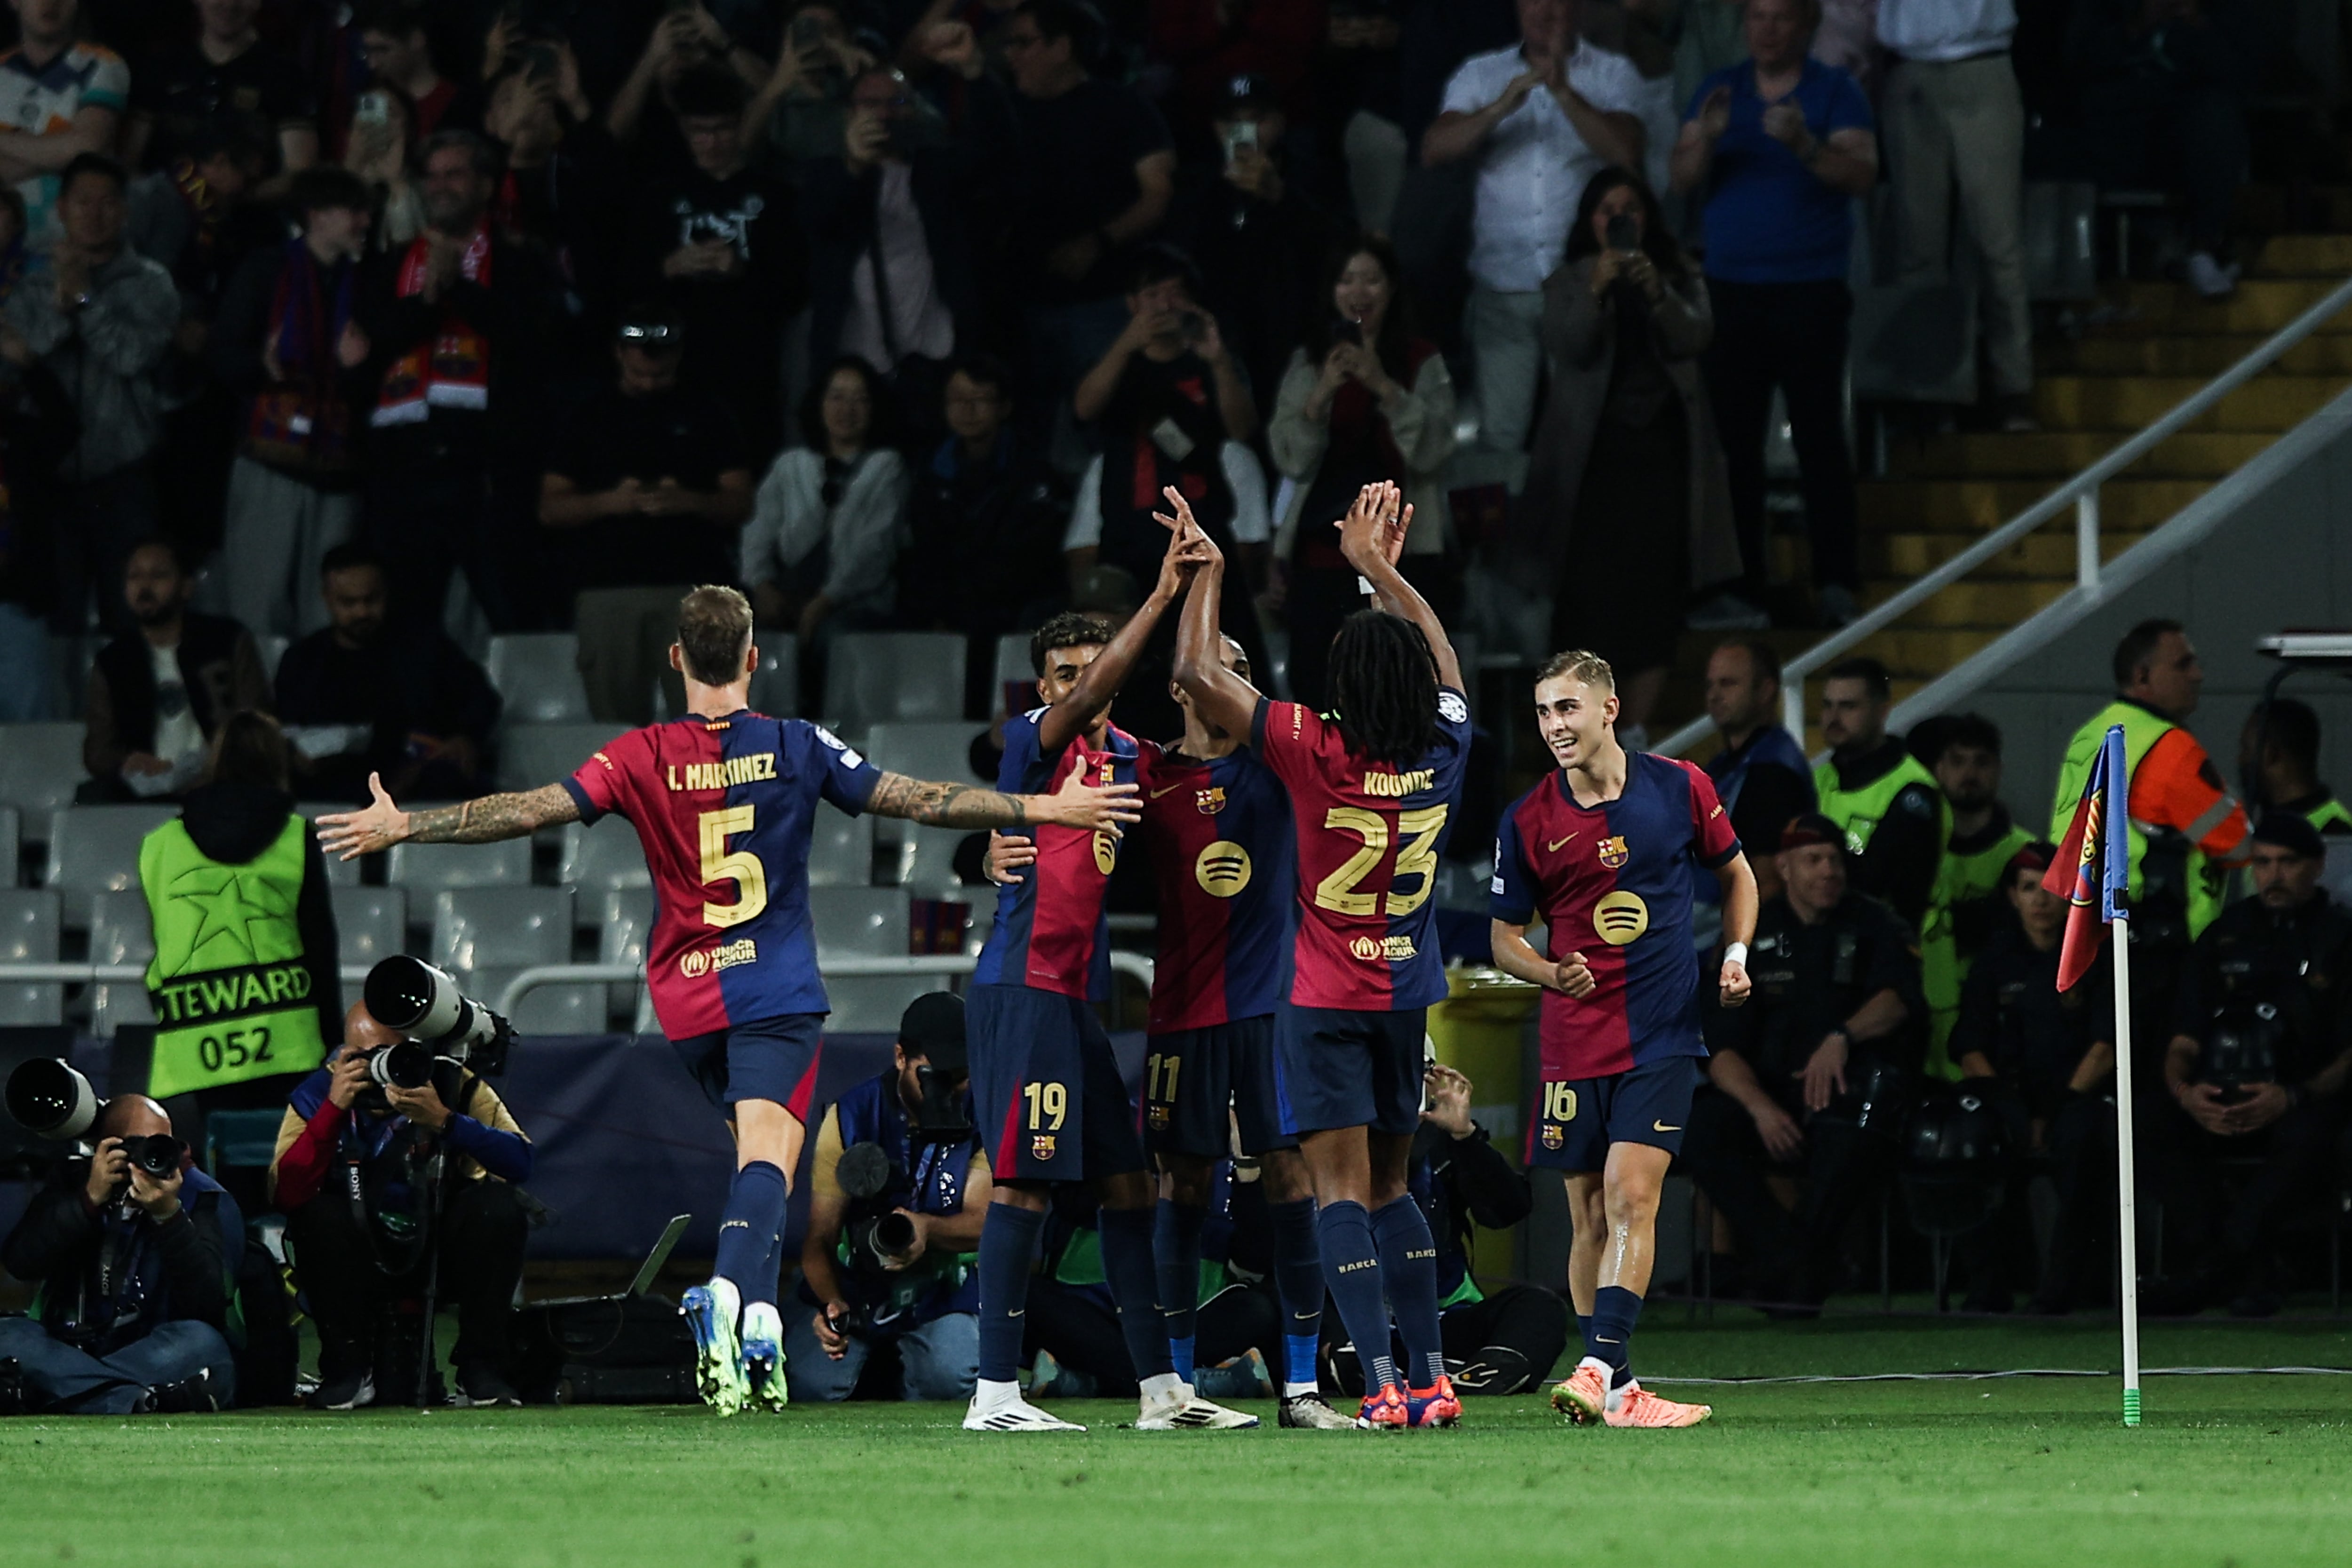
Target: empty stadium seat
point(531, 755)
point(923, 862)
point(371, 923)
point(340, 873)
point(120, 932)
point(625, 923)
point(11, 839)
point(272, 648)
point(880, 677)
point(776, 684)
point(841, 850)
point(537, 675)
point(28, 934)
point(863, 922)
point(485, 936)
point(426, 867)
point(940, 751)
point(607, 854)
point(95, 849)
point(40, 764)
point(1013, 663)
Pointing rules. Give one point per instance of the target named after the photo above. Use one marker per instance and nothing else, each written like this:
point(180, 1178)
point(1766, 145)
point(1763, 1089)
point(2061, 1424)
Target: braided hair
point(1383, 687)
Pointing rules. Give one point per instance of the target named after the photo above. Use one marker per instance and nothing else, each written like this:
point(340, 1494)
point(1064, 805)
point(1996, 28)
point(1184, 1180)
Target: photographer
point(881, 1261)
point(2258, 1064)
point(355, 1173)
point(133, 1251)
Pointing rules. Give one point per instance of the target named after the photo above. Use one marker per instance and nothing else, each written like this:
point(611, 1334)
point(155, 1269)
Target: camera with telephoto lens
point(879, 1239)
point(157, 1153)
point(49, 1099)
point(440, 1023)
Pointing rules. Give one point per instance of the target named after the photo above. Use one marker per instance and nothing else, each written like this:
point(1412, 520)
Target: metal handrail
point(2082, 491)
point(1133, 964)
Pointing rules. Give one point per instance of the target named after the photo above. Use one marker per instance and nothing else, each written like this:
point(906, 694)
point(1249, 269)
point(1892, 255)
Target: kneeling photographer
point(396, 1167)
point(897, 1190)
point(133, 1251)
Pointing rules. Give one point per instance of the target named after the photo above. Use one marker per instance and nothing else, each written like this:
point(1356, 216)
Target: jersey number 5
point(741, 866)
point(1418, 858)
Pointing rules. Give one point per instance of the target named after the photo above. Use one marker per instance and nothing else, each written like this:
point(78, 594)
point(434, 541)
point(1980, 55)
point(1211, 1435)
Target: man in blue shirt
point(1780, 145)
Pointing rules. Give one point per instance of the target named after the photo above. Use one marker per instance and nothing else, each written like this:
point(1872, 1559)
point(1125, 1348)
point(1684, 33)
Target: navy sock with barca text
point(1615, 1310)
point(748, 1229)
point(1351, 1268)
point(1176, 1252)
point(1008, 1251)
point(1135, 1289)
point(1409, 1266)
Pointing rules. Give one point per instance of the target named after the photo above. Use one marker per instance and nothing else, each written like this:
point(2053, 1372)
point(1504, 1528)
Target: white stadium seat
point(28, 934)
point(607, 854)
point(94, 849)
point(841, 850)
point(776, 685)
point(371, 923)
point(536, 675)
point(531, 755)
point(485, 936)
point(880, 677)
point(120, 932)
point(40, 765)
point(866, 922)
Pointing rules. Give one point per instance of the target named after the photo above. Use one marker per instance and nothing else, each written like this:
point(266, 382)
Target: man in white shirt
point(1542, 119)
point(1953, 117)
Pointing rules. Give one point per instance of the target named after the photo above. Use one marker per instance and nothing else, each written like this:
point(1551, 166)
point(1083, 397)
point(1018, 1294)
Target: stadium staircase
point(2154, 344)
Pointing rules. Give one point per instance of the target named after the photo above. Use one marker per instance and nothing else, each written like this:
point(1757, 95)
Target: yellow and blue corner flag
point(2093, 865)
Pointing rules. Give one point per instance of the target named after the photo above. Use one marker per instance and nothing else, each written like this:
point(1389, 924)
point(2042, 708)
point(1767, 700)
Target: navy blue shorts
point(1339, 1067)
point(1046, 1091)
point(1193, 1076)
point(770, 1058)
point(1578, 1119)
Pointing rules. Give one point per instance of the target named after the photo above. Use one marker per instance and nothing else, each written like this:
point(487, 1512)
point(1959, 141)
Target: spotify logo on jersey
point(1621, 918)
point(1222, 868)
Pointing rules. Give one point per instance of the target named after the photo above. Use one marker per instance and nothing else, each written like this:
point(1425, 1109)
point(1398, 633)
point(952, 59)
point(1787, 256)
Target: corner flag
point(2093, 865)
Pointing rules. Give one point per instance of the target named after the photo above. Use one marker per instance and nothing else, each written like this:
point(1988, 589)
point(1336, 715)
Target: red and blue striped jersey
point(1614, 882)
point(1367, 834)
point(1051, 931)
point(1219, 837)
point(722, 807)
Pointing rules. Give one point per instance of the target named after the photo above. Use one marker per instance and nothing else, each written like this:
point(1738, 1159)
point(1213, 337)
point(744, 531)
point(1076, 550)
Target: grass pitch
point(2229, 1472)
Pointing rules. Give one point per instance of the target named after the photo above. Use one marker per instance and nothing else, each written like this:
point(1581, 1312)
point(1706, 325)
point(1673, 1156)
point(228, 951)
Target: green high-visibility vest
point(1942, 967)
point(1858, 812)
point(229, 986)
point(2329, 816)
point(2194, 890)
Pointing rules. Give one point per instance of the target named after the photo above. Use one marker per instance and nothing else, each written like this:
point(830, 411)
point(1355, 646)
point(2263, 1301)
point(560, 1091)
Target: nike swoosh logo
point(1170, 789)
point(1017, 1312)
point(1553, 847)
point(1657, 1126)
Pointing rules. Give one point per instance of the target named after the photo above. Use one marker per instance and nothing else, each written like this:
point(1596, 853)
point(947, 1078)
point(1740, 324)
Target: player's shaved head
point(714, 633)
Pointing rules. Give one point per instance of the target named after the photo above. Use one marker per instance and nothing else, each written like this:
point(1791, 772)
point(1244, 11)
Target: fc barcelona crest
point(1208, 802)
point(1613, 852)
point(1041, 1146)
point(1554, 1135)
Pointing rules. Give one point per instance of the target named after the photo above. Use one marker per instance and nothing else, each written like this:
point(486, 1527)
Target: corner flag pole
point(2127, 1221)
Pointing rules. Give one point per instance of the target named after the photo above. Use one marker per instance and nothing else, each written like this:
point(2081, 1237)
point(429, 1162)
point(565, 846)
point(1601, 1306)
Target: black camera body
point(157, 1153)
point(878, 1239)
point(441, 1024)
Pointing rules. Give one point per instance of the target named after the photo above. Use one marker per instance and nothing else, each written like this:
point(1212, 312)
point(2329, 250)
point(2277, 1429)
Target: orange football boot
point(1384, 1410)
point(1583, 1397)
point(1637, 1406)
point(1438, 1406)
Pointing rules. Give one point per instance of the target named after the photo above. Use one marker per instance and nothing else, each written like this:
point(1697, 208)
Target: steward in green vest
point(2287, 734)
point(244, 982)
point(1885, 802)
point(2184, 830)
point(1971, 899)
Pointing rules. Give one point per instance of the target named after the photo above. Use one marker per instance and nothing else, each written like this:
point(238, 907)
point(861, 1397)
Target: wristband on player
point(1736, 952)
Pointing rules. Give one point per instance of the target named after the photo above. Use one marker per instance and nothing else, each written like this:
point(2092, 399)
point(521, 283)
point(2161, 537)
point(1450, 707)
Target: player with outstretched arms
point(722, 800)
point(1045, 1089)
point(1602, 850)
point(1372, 788)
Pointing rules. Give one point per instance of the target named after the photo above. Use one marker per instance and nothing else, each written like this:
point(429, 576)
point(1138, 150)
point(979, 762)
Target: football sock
point(1134, 1288)
point(1008, 1247)
point(1409, 1266)
point(1584, 1332)
point(1615, 1310)
point(1351, 1268)
point(1176, 1250)
point(1299, 1282)
point(748, 1228)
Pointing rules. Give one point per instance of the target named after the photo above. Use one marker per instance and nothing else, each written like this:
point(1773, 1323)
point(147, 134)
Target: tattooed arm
point(1077, 804)
point(381, 824)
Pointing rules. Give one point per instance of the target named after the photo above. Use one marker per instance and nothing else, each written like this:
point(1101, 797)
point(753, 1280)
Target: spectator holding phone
point(384, 123)
point(1364, 400)
point(1626, 471)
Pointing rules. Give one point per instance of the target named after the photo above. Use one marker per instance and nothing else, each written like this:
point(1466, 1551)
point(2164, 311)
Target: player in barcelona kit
point(721, 799)
point(1372, 788)
point(1046, 1090)
point(1216, 824)
point(1601, 851)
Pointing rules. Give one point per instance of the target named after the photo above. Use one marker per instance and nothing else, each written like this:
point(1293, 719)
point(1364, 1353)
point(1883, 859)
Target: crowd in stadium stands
point(363, 328)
